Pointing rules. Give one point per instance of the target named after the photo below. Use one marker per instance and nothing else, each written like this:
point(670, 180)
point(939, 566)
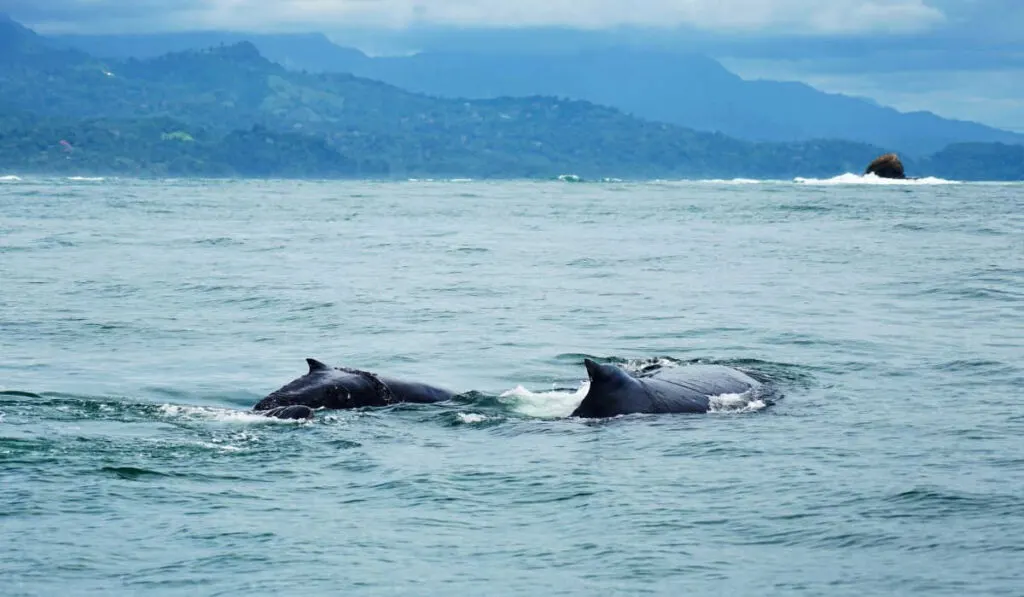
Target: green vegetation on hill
point(653, 83)
point(977, 161)
point(227, 111)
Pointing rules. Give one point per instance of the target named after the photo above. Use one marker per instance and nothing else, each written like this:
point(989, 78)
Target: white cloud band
point(778, 16)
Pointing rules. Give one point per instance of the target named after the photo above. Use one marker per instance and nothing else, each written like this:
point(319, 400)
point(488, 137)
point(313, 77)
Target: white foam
point(472, 418)
point(220, 447)
point(871, 179)
point(10, 178)
point(2, 415)
point(640, 364)
point(229, 444)
point(554, 404)
point(86, 178)
point(735, 403)
point(223, 415)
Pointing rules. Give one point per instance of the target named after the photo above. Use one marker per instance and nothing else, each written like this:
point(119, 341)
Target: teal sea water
point(139, 320)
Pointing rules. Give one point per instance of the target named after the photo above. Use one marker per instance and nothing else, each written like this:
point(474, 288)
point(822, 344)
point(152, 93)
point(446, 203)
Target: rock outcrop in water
point(886, 166)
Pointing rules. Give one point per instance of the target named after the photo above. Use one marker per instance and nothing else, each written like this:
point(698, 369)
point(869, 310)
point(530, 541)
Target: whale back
point(707, 380)
point(612, 392)
point(341, 387)
point(329, 387)
point(686, 389)
point(412, 391)
point(294, 412)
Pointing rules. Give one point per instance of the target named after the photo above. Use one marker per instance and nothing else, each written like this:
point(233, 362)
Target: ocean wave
point(470, 418)
point(738, 181)
point(10, 178)
point(131, 473)
point(451, 180)
point(215, 445)
point(871, 179)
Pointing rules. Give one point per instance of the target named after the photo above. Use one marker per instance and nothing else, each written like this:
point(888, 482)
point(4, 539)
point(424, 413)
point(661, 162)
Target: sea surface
point(140, 320)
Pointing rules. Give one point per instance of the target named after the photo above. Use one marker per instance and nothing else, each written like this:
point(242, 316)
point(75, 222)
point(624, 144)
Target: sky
point(958, 58)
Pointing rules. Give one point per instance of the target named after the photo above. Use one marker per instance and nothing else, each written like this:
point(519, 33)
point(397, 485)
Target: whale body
point(686, 389)
point(343, 388)
point(612, 392)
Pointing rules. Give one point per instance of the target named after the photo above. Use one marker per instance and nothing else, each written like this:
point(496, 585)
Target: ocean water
point(139, 320)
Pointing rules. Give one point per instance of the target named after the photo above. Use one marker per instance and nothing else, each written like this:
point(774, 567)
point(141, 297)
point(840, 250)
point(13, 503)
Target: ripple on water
point(140, 320)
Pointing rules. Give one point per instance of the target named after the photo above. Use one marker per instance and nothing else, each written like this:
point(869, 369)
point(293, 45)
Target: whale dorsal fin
point(315, 365)
point(601, 374)
point(612, 391)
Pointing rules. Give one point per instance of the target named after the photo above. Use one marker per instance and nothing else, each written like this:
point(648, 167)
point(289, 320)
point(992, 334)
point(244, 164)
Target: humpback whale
point(612, 392)
point(686, 389)
point(340, 388)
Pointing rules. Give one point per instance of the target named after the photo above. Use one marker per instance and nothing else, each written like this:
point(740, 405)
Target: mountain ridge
point(227, 110)
point(687, 89)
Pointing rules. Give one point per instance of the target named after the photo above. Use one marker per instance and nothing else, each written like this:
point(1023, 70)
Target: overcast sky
point(959, 58)
point(797, 16)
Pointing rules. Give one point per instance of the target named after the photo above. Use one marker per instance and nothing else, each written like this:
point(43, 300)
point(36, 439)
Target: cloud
point(969, 66)
point(799, 17)
point(960, 58)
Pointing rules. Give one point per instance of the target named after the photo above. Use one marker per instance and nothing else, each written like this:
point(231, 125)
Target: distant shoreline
point(848, 178)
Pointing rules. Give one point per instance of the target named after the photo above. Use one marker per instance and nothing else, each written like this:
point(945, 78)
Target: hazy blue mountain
point(977, 161)
point(686, 89)
point(302, 51)
point(227, 110)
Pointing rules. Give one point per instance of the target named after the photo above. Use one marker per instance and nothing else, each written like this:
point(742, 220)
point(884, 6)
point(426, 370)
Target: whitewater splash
point(736, 403)
point(871, 179)
point(10, 178)
point(551, 404)
point(472, 418)
point(221, 415)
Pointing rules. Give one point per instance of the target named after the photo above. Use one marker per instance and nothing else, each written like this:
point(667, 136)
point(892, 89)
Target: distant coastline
point(228, 112)
point(150, 149)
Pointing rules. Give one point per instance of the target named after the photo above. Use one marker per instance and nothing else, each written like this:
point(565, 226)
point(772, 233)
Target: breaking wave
point(871, 179)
